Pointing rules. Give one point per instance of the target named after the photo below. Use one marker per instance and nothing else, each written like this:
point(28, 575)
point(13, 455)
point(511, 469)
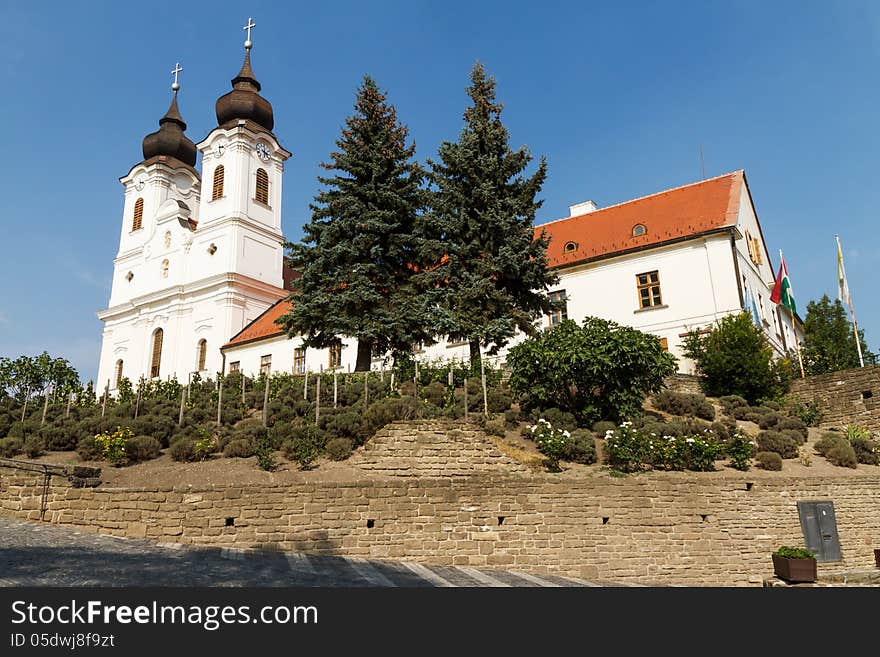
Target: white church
point(199, 281)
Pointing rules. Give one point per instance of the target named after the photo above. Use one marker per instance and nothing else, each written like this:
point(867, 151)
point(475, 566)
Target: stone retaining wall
point(671, 528)
point(684, 383)
point(846, 397)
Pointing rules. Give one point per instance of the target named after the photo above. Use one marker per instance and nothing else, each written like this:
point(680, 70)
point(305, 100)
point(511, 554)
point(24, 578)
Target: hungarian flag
point(782, 293)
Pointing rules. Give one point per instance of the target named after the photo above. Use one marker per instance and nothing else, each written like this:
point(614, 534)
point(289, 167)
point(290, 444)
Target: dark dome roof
point(169, 138)
point(245, 101)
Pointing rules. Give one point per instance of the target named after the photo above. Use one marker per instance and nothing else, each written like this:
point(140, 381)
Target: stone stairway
point(433, 449)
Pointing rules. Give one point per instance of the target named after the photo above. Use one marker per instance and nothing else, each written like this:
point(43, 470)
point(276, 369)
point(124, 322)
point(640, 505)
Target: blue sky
point(618, 96)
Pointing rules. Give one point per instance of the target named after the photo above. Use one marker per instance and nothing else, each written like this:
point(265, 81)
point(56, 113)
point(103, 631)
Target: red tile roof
point(696, 208)
point(689, 210)
point(263, 326)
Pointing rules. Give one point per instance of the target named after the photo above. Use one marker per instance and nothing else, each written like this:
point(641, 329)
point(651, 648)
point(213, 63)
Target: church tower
point(195, 266)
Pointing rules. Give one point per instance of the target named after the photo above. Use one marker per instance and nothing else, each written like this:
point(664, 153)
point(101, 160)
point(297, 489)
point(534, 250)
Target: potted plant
point(794, 564)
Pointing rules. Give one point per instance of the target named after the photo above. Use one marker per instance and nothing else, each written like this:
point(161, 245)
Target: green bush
point(511, 418)
point(769, 420)
point(794, 434)
point(59, 437)
point(581, 447)
point(142, 448)
point(776, 441)
point(855, 431)
point(551, 441)
point(264, 450)
point(184, 449)
point(498, 400)
point(829, 440)
point(556, 417)
point(34, 447)
point(794, 553)
point(740, 449)
point(867, 451)
point(390, 410)
point(842, 455)
point(241, 448)
point(435, 392)
point(598, 370)
point(810, 413)
point(88, 449)
point(685, 404)
point(347, 424)
point(731, 402)
point(304, 445)
point(496, 428)
point(339, 449)
point(11, 446)
point(793, 424)
point(735, 358)
point(602, 427)
point(768, 461)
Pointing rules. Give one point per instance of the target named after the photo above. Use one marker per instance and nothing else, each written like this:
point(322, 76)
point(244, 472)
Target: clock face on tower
point(263, 152)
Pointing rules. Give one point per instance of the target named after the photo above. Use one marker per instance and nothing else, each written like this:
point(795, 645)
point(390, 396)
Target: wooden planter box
point(794, 570)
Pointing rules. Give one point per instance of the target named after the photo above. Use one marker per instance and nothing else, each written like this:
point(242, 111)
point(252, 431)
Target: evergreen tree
point(491, 274)
point(829, 344)
point(358, 259)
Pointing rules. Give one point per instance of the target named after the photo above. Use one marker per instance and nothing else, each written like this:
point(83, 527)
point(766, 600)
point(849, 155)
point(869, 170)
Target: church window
point(639, 230)
point(129, 276)
point(165, 265)
point(156, 360)
point(235, 366)
point(138, 219)
point(118, 372)
point(217, 190)
point(335, 355)
point(560, 307)
point(262, 191)
point(265, 364)
point(754, 246)
point(648, 285)
point(299, 360)
point(202, 354)
point(570, 247)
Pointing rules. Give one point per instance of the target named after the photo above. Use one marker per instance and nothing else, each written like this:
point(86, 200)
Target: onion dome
point(245, 101)
point(169, 139)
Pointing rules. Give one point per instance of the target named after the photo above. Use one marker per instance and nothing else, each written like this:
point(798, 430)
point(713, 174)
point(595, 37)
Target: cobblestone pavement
point(40, 554)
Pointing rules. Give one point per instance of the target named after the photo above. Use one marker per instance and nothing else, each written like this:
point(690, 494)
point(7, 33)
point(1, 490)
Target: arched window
point(138, 219)
point(156, 360)
point(639, 230)
point(262, 193)
point(203, 353)
point(218, 183)
point(118, 372)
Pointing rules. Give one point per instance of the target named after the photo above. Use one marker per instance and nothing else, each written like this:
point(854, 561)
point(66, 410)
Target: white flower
point(566, 434)
point(690, 440)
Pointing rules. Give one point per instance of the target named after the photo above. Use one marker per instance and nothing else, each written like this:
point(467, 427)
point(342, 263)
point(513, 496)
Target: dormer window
point(639, 230)
point(129, 276)
point(570, 247)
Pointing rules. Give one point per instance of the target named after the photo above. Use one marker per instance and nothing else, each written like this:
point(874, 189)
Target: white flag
point(842, 285)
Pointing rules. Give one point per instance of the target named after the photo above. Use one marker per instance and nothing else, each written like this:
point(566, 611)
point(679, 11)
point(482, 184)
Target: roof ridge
point(646, 196)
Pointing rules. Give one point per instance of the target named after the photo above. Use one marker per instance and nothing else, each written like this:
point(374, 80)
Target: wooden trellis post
point(45, 405)
point(335, 387)
point(242, 387)
point(485, 395)
point(366, 389)
point(137, 402)
point(318, 394)
point(183, 395)
point(306, 385)
point(219, 397)
point(266, 401)
point(69, 399)
point(465, 397)
point(106, 394)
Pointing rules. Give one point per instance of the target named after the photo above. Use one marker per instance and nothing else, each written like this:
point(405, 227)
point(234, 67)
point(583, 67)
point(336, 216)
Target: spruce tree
point(358, 259)
point(490, 273)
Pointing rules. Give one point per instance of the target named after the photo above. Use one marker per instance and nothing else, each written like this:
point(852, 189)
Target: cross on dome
point(247, 28)
point(177, 69)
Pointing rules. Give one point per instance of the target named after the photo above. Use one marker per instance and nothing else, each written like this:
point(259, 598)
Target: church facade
point(199, 281)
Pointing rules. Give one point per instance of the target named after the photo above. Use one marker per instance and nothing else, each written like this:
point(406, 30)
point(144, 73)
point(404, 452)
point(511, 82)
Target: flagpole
point(797, 343)
point(852, 312)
